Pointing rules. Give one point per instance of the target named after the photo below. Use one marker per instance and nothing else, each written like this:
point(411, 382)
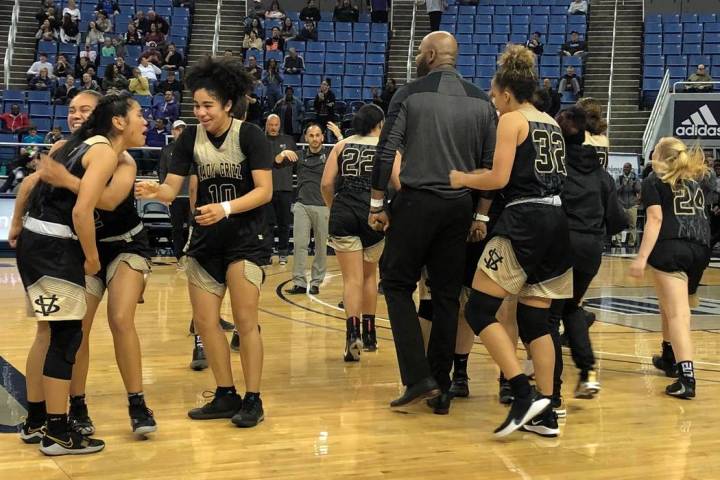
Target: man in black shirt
point(310, 12)
point(294, 63)
point(535, 44)
point(440, 122)
point(575, 47)
point(170, 84)
point(180, 207)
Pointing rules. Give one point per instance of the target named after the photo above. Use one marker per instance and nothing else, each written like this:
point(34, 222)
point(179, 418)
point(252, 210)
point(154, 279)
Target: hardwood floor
point(329, 419)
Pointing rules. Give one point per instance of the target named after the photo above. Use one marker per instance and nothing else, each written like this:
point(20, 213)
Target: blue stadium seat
point(653, 72)
point(653, 49)
point(48, 47)
point(61, 111)
point(13, 96)
point(520, 19)
point(143, 100)
point(315, 47)
point(672, 28)
point(334, 69)
point(558, 10)
point(711, 28)
point(678, 71)
point(67, 48)
point(364, 17)
point(501, 20)
point(336, 81)
point(451, 10)
point(377, 70)
point(519, 28)
point(501, 28)
point(343, 27)
point(484, 71)
point(354, 69)
point(466, 60)
point(712, 49)
point(692, 49)
point(541, 10)
point(707, 18)
point(653, 27)
point(352, 81)
point(355, 58)
point(465, 28)
point(377, 47)
point(693, 28)
point(352, 93)
point(41, 110)
point(672, 38)
point(34, 96)
point(467, 49)
point(519, 38)
point(692, 38)
point(675, 60)
point(504, 10)
point(672, 49)
point(372, 81)
point(574, 61)
point(484, 28)
point(344, 36)
point(483, 20)
point(689, 18)
point(448, 27)
point(332, 57)
point(711, 37)
point(464, 19)
point(375, 58)
point(313, 69)
point(325, 26)
point(557, 29)
point(311, 80)
point(361, 27)
point(379, 36)
point(550, 71)
point(291, 80)
point(309, 92)
point(654, 60)
point(488, 49)
point(315, 57)
point(355, 48)
point(487, 60)
point(481, 39)
point(485, 10)
point(467, 10)
point(361, 37)
point(335, 47)
point(520, 11)
point(499, 39)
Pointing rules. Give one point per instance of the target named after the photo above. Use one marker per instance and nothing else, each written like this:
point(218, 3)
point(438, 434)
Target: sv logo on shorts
point(47, 305)
point(493, 260)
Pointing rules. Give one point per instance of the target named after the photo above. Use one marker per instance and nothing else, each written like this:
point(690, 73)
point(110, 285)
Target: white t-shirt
point(74, 13)
point(150, 72)
point(37, 66)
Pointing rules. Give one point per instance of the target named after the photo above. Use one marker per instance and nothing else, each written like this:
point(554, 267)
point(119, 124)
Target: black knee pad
point(65, 339)
point(426, 310)
point(532, 322)
point(480, 310)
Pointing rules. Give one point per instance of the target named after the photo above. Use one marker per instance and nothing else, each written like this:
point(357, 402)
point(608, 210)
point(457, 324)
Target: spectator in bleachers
point(114, 81)
point(255, 110)
point(54, 135)
point(258, 9)
point(294, 63)
point(388, 91)
point(110, 7)
point(571, 80)
point(228, 53)
point(83, 65)
point(255, 25)
point(65, 92)
point(189, 4)
point(273, 83)
point(93, 74)
point(275, 12)
point(42, 82)
point(18, 170)
point(62, 67)
point(153, 56)
point(88, 83)
point(325, 104)
point(172, 60)
point(139, 85)
point(170, 84)
point(575, 47)
point(167, 110)
point(535, 44)
point(310, 12)
point(308, 32)
point(73, 10)
point(94, 36)
point(41, 63)
point(578, 7)
point(275, 42)
point(162, 25)
point(32, 136)
point(47, 10)
point(379, 11)
point(290, 110)
point(435, 9)
point(15, 121)
point(154, 38)
point(132, 36)
point(125, 69)
point(345, 11)
point(251, 41)
point(700, 75)
point(108, 49)
point(554, 96)
point(142, 24)
point(117, 42)
point(46, 33)
point(628, 188)
point(148, 70)
point(102, 22)
point(156, 136)
point(288, 29)
point(254, 69)
point(69, 31)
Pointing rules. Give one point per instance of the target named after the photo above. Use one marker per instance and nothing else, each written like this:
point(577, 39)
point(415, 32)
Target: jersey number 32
point(550, 148)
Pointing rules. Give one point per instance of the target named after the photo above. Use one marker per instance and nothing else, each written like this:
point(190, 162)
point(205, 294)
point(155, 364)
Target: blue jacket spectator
point(110, 7)
point(167, 110)
point(290, 110)
point(156, 136)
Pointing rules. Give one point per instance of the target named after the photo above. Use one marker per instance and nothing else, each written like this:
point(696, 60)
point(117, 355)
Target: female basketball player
point(676, 244)
point(357, 246)
point(596, 133)
point(527, 251)
point(50, 258)
point(233, 163)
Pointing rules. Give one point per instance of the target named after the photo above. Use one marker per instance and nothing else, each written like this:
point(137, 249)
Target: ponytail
point(673, 162)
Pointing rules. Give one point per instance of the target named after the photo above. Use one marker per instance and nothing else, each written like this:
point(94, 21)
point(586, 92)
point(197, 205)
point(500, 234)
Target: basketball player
point(596, 133)
point(233, 163)
point(676, 245)
point(58, 235)
point(527, 251)
point(357, 246)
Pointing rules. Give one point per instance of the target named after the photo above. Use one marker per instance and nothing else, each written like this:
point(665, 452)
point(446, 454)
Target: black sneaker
point(250, 414)
point(545, 424)
point(369, 341)
point(589, 317)
point(199, 361)
point(459, 386)
point(353, 345)
point(341, 304)
point(667, 366)
point(141, 419)
point(79, 419)
point(505, 395)
point(683, 387)
point(440, 404)
point(71, 444)
point(296, 290)
point(227, 326)
point(521, 412)
point(314, 290)
point(30, 434)
point(558, 407)
point(235, 342)
point(224, 406)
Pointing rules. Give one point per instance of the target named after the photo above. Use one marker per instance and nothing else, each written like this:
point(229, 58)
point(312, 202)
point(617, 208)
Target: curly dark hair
point(225, 79)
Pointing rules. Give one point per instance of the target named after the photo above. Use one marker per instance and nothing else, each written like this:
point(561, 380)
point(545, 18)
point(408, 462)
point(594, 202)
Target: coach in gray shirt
point(441, 123)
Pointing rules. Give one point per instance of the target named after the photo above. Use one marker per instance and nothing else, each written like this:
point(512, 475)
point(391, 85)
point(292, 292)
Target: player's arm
point(21, 201)
point(395, 175)
point(653, 223)
point(327, 184)
point(192, 192)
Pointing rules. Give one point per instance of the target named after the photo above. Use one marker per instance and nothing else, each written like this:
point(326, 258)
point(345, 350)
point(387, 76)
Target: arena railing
point(655, 115)
point(688, 83)
point(10, 49)
point(216, 36)
point(411, 43)
point(612, 68)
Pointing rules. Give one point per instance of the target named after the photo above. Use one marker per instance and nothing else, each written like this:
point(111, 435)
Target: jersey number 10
point(685, 203)
point(550, 148)
point(222, 193)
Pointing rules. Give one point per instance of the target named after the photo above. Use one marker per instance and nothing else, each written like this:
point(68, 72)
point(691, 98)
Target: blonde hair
point(674, 162)
point(516, 72)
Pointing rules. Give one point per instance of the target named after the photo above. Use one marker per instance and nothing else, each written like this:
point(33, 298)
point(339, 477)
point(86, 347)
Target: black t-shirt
point(683, 209)
point(223, 179)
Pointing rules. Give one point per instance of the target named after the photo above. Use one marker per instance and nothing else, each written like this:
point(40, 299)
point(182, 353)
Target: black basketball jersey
point(121, 220)
point(599, 145)
point(355, 164)
point(683, 209)
point(539, 166)
point(56, 204)
point(223, 164)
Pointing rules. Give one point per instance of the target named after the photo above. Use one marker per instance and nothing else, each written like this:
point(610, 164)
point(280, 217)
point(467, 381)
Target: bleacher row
point(678, 43)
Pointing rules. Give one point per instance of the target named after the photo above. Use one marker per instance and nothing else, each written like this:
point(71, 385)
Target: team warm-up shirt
point(683, 209)
point(355, 164)
point(224, 164)
point(539, 166)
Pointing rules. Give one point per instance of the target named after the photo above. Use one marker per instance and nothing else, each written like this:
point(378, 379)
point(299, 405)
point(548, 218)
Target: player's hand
point(637, 267)
point(379, 221)
point(335, 130)
point(147, 189)
point(92, 266)
point(478, 231)
point(289, 155)
point(53, 172)
point(13, 234)
point(457, 179)
point(209, 214)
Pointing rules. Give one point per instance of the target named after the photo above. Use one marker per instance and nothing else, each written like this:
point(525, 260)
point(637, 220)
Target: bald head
point(438, 49)
point(272, 125)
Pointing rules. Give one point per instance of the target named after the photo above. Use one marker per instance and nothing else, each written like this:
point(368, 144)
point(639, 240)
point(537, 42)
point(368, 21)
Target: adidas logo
point(700, 124)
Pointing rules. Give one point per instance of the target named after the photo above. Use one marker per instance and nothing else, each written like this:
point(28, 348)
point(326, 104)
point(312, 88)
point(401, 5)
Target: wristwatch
point(479, 217)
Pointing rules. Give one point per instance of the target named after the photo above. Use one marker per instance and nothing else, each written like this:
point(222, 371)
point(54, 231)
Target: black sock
point(219, 391)
point(667, 352)
point(460, 363)
point(77, 402)
point(502, 378)
point(36, 413)
point(136, 399)
point(352, 323)
point(252, 396)
point(198, 341)
point(368, 323)
point(686, 369)
point(520, 386)
point(57, 424)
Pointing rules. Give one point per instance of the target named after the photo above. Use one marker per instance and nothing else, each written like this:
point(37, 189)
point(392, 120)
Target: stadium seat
point(41, 110)
point(354, 69)
point(43, 124)
point(34, 96)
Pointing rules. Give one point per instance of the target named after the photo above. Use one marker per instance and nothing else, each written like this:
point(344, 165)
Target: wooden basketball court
point(329, 419)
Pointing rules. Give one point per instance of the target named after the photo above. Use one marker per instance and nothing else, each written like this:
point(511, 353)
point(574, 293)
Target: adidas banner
point(697, 119)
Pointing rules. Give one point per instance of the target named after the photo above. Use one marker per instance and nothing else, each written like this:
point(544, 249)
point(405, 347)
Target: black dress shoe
point(422, 390)
point(296, 290)
point(314, 290)
point(441, 404)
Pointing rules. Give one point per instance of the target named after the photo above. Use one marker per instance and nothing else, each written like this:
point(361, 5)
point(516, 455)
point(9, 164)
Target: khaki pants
point(306, 218)
point(632, 213)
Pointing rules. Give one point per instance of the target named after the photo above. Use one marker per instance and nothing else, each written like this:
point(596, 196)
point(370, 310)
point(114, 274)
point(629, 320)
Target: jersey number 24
point(685, 202)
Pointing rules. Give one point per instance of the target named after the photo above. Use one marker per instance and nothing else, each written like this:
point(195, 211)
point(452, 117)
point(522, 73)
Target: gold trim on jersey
point(224, 161)
point(94, 140)
point(51, 299)
point(348, 244)
point(360, 140)
point(601, 141)
point(531, 114)
point(198, 276)
point(95, 286)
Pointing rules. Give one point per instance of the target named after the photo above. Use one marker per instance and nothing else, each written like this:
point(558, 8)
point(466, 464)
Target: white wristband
point(479, 217)
point(226, 207)
point(376, 203)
